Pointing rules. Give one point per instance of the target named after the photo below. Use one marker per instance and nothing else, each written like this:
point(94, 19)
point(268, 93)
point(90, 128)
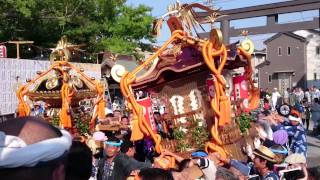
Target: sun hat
point(295, 159)
point(265, 153)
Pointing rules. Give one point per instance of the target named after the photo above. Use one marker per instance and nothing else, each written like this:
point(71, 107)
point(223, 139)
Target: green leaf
point(101, 25)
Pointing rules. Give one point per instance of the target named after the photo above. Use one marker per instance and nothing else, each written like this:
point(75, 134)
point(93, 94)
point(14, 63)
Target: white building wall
point(313, 60)
point(26, 69)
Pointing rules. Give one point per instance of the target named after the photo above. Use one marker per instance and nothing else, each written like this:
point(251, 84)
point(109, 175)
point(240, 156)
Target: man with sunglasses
point(116, 165)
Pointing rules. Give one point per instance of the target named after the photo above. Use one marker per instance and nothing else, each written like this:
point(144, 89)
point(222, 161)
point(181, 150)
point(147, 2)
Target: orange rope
point(218, 103)
point(66, 96)
point(125, 86)
point(254, 93)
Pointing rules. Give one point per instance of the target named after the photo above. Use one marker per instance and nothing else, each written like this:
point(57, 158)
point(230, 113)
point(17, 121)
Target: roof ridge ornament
point(62, 52)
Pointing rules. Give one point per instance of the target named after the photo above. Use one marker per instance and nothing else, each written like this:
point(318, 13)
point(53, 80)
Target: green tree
point(99, 24)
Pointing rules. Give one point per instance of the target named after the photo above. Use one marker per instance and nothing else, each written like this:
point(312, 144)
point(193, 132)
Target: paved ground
point(313, 154)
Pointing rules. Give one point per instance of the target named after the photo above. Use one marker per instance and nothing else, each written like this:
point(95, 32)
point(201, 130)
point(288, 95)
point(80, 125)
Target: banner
point(240, 90)
point(148, 114)
point(210, 87)
point(3, 51)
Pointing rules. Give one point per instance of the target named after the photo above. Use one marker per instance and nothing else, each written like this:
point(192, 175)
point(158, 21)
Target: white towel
point(14, 152)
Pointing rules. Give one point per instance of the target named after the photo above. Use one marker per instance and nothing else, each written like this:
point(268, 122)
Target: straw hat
point(265, 153)
point(295, 159)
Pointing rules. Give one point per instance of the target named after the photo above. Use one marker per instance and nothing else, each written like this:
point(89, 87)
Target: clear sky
point(160, 8)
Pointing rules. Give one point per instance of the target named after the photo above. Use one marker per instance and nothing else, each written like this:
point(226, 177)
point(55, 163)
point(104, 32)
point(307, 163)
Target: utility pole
point(17, 43)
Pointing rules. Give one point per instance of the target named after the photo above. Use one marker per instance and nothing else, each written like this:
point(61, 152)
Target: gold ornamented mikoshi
point(62, 86)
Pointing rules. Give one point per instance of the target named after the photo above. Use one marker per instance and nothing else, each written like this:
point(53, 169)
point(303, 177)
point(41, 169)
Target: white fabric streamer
point(14, 152)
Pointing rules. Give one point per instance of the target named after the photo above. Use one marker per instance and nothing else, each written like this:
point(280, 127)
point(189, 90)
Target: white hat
point(99, 136)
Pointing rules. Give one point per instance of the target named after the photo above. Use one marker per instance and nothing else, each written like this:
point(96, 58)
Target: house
point(258, 61)
point(294, 60)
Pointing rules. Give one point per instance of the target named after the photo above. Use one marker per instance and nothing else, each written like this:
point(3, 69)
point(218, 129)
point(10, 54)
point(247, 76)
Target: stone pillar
point(225, 31)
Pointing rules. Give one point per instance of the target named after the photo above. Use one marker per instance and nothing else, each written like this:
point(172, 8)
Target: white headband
point(292, 118)
point(14, 152)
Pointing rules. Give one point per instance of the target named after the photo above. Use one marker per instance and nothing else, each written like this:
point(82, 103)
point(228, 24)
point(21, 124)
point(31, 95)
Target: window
point(289, 51)
point(318, 50)
point(279, 51)
point(269, 78)
point(275, 76)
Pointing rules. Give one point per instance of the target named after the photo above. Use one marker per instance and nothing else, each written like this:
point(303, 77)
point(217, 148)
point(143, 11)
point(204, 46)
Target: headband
point(284, 151)
point(16, 153)
point(113, 143)
point(293, 118)
point(199, 154)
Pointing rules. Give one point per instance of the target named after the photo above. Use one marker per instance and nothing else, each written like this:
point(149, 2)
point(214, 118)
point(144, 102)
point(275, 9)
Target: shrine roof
point(189, 58)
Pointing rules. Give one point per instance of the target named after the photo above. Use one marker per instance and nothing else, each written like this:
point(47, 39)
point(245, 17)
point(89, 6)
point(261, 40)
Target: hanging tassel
point(21, 110)
point(254, 99)
point(136, 132)
point(225, 110)
point(65, 119)
point(101, 109)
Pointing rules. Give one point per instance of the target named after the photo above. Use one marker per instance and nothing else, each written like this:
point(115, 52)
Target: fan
point(117, 71)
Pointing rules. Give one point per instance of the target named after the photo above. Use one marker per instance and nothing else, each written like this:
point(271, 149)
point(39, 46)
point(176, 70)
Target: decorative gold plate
point(77, 82)
point(247, 45)
point(52, 83)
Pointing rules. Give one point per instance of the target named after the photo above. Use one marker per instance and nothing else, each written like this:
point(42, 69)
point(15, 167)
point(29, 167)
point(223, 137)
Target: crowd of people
point(306, 102)
point(278, 149)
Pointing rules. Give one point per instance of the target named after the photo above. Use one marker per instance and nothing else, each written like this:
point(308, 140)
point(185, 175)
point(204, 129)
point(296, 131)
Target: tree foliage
point(99, 24)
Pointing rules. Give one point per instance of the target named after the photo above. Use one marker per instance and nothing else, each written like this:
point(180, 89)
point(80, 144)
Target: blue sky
point(160, 8)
